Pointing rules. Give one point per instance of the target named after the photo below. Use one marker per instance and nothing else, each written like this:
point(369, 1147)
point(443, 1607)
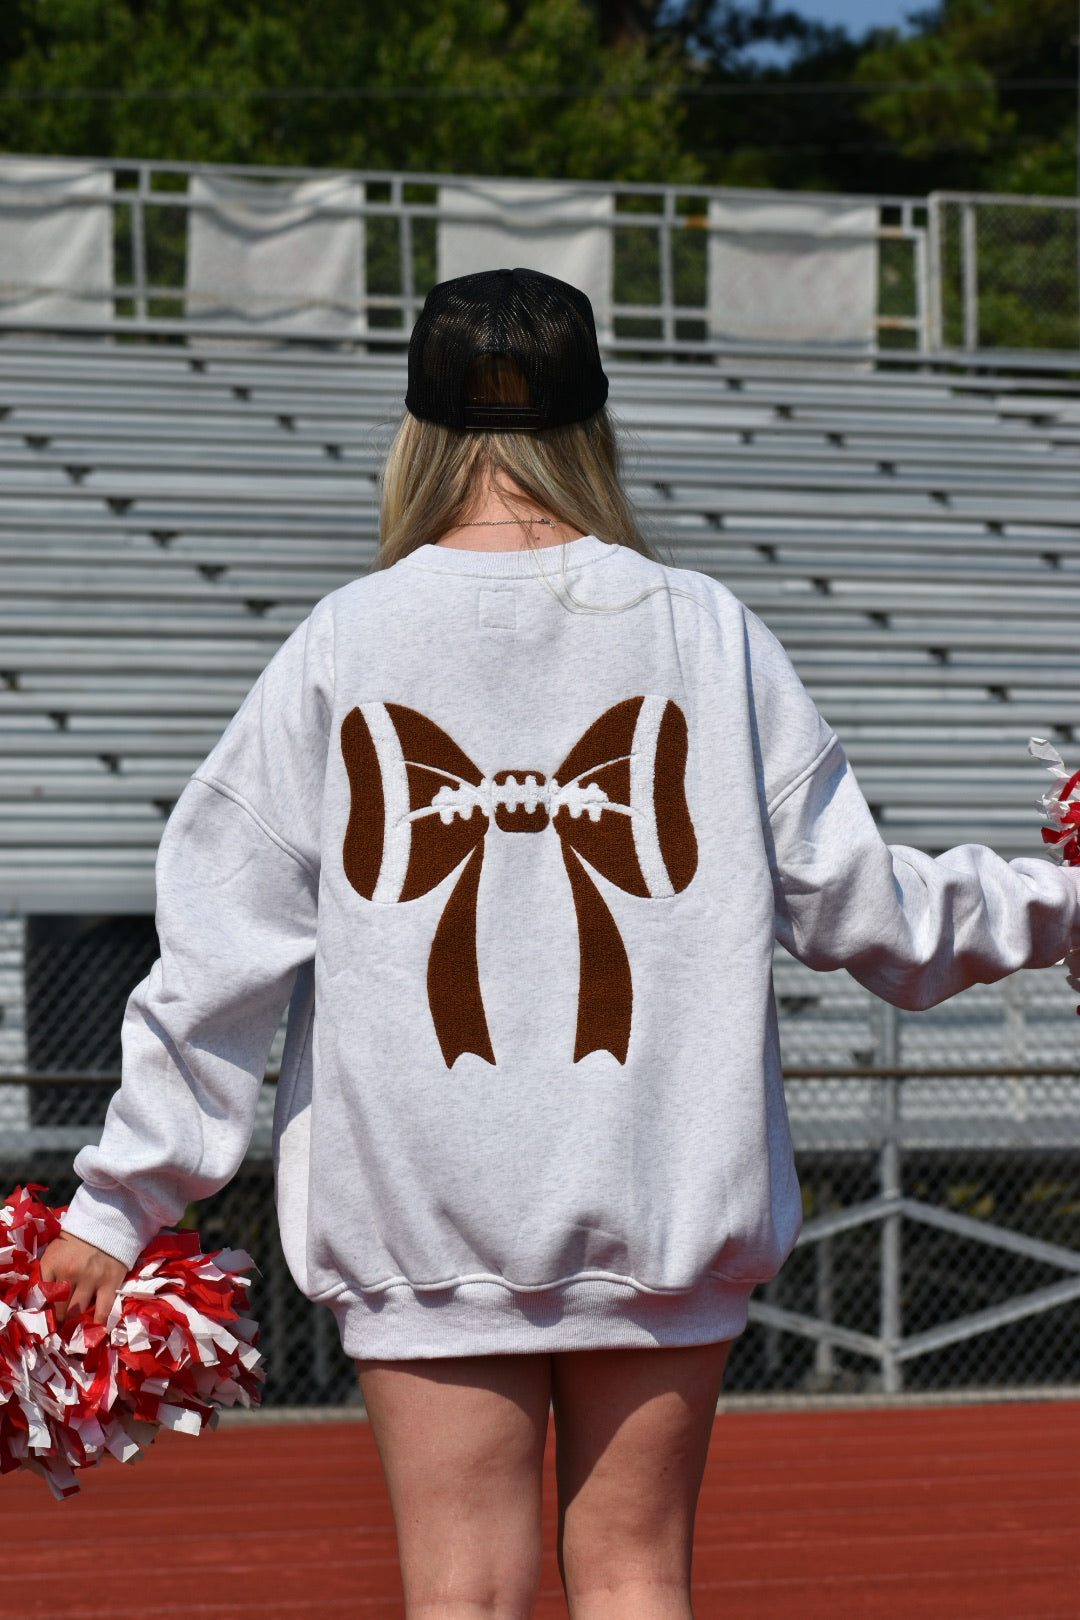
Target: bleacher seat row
point(167, 516)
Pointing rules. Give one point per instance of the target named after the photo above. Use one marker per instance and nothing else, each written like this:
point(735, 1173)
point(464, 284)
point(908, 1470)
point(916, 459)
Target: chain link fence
point(1005, 271)
point(939, 1155)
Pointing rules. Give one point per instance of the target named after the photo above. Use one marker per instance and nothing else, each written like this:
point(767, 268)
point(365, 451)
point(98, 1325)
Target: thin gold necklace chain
point(498, 523)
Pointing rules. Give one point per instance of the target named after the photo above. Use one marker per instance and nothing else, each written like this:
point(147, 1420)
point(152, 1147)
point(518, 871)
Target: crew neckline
point(527, 563)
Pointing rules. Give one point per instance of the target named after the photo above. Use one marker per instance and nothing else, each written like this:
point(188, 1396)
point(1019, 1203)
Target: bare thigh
point(462, 1445)
point(632, 1430)
point(461, 1442)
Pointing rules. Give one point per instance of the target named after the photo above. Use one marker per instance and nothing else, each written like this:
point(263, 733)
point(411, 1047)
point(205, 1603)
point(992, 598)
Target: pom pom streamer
point(177, 1346)
point(1060, 806)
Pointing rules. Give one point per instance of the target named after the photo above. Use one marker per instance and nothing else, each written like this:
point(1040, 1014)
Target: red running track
point(902, 1514)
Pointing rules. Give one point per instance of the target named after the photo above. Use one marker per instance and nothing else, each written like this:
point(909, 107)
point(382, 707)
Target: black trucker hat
point(544, 324)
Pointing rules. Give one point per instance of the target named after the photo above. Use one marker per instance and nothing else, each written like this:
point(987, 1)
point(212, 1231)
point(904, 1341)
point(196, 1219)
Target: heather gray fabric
point(534, 1202)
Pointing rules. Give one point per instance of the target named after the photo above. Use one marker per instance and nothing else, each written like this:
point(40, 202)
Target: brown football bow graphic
point(421, 808)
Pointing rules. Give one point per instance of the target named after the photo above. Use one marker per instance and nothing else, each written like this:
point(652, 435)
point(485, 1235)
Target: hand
point(94, 1276)
point(1072, 964)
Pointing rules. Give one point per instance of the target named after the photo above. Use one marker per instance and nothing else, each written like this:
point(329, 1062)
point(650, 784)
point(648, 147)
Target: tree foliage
point(982, 86)
point(473, 86)
point(975, 93)
point(926, 97)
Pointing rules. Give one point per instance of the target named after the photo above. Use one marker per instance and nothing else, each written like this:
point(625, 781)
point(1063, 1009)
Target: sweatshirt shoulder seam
point(217, 786)
point(803, 775)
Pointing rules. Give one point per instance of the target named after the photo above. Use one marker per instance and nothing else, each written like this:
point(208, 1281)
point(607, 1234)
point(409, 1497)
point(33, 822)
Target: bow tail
point(605, 988)
point(453, 979)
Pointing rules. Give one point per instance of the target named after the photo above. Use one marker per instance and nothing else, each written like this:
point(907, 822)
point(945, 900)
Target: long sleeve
point(237, 885)
point(912, 928)
point(236, 918)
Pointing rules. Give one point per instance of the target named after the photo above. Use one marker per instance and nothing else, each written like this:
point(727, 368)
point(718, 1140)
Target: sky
point(857, 16)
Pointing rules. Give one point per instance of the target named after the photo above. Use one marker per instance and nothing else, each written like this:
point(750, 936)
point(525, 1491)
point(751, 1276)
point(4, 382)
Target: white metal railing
point(975, 271)
point(890, 1347)
point(148, 302)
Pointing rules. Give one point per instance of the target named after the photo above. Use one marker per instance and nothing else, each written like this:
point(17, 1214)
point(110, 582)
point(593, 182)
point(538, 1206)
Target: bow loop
point(595, 815)
point(416, 805)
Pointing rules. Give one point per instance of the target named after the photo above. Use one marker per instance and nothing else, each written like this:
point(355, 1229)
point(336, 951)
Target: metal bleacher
point(169, 513)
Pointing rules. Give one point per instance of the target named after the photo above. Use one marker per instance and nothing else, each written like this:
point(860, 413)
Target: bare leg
point(632, 1431)
point(462, 1447)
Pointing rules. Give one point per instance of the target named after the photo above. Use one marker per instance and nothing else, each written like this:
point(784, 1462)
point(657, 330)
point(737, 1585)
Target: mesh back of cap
point(544, 324)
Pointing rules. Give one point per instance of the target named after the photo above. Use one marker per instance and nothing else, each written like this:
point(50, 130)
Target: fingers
point(87, 1296)
point(105, 1298)
point(50, 1269)
point(80, 1299)
point(93, 1278)
point(53, 1271)
point(95, 1289)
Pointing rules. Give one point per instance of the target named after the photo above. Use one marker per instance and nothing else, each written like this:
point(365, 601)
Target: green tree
point(977, 93)
point(926, 97)
point(981, 95)
point(770, 100)
point(553, 87)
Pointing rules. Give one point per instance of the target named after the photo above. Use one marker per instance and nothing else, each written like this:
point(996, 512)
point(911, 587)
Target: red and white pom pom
point(1061, 807)
point(1059, 804)
point(176, 1347)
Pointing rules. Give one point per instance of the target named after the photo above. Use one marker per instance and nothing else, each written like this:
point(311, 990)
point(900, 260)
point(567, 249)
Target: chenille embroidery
point(421, 809)
point(362, 853)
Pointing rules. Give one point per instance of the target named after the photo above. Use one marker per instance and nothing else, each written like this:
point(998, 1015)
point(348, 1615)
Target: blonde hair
point(432, 473)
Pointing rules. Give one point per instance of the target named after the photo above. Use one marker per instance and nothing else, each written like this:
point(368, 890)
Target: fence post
point(935, 284)
point(323, 1332)
point(667, 277)
point(274, 1313)
point(1015, 1030)
point(771, 1292)
point(405, 247)
point(824, 1352)
point(891, 1313)
point(970, 271)
point(924, 302)
point(138, 242)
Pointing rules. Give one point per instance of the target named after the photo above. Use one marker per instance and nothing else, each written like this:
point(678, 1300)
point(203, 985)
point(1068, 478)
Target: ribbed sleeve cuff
point(112, 1220)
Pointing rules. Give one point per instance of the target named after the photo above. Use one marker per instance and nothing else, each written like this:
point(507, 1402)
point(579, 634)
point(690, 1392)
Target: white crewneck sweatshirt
point(512, 834)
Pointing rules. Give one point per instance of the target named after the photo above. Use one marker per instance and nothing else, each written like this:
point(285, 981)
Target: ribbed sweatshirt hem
point(488, 1318)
